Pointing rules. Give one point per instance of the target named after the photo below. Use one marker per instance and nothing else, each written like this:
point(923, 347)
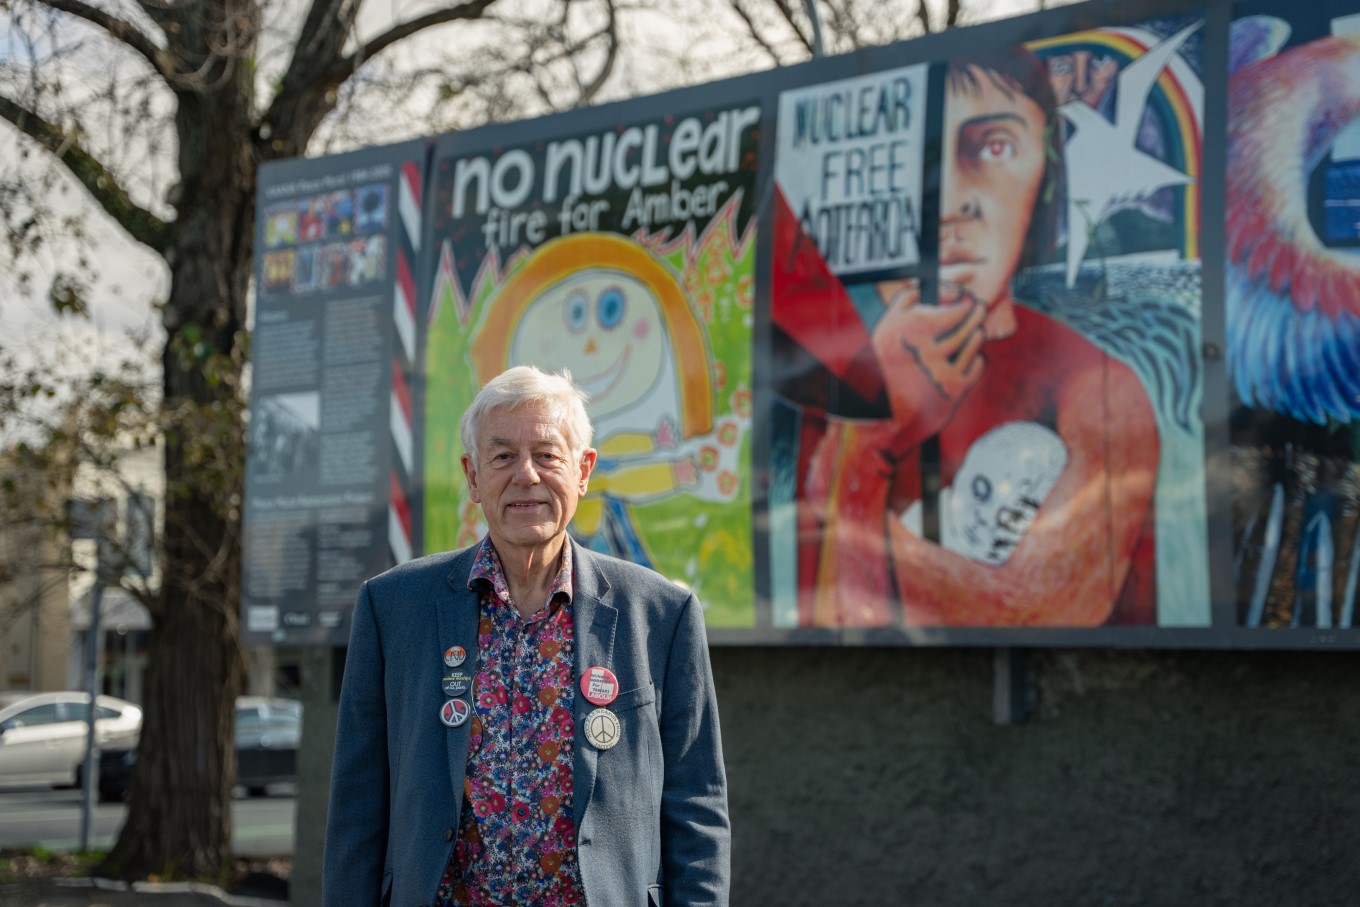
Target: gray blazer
point(651, 813)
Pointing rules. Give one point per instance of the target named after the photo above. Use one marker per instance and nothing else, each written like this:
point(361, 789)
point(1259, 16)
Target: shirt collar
point(486, 568)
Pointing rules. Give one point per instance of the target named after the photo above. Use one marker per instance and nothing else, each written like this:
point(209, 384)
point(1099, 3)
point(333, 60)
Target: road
point(40, 817)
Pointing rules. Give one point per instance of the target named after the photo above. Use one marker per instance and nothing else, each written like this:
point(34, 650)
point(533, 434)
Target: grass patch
point(39, 863)
point(256, 877)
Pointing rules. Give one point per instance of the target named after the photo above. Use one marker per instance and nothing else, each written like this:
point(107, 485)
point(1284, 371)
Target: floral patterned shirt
point(517, 839)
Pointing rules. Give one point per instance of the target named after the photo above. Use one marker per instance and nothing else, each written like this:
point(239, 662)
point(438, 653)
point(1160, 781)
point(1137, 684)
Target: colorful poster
point(1293, 312)
point(1006, 432)
point(626, 255)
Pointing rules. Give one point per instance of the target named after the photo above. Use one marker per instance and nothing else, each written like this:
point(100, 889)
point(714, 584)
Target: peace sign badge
point(455, 712)
point(603, 729)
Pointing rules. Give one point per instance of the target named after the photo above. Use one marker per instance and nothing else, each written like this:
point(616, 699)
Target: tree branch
point(140, 224)
point(923, 16)
point(470, 9)
point(325, 29)
point(318, 68)
point(307, 90)
point(592, 88)
point(121, 29)
point(754, 32)
point(787, 11)
point(160, 12)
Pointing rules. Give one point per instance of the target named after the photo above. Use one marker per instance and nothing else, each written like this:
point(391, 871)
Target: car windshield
point(248, 721)
point(50, 713)
point(9, 699)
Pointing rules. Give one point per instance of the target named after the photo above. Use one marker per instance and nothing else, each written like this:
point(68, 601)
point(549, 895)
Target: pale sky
point(129, 277)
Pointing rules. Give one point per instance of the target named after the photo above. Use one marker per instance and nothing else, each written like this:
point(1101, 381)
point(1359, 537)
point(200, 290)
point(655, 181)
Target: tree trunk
point(186, 759)
point(183, 770)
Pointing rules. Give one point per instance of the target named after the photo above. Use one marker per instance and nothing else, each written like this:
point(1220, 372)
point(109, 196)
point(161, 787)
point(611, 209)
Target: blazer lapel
point(458, 617)
point(595, 620)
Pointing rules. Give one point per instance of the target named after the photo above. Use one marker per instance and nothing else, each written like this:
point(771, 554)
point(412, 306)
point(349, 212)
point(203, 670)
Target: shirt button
point(448, 834)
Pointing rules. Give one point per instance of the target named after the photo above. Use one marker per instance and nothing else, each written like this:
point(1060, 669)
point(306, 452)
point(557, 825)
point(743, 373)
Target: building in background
point(34, 600)
point(48, 575)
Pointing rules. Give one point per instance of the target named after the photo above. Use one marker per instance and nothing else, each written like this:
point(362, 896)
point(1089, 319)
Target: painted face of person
point(526, 479)
point(1081, 75)
point(606, 327)
point(993, 167)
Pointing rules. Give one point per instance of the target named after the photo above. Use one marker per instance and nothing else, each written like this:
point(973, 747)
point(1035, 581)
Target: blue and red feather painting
point(1293, 316)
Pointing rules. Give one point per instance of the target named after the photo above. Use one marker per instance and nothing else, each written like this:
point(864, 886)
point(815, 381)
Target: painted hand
point(931, 357)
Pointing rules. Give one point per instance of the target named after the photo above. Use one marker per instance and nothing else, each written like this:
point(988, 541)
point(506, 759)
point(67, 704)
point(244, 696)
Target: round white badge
point(603, 729)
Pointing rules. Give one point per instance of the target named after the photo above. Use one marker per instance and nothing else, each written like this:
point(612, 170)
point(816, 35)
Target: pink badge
point(599, 686)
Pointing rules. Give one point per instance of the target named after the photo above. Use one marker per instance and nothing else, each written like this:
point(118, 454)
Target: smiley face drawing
point(604, 326)
point(615, 316)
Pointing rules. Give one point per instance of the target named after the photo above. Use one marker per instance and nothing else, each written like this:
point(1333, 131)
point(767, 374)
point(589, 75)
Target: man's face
point(1081, 75)
point(993, 167)
point(526, 479)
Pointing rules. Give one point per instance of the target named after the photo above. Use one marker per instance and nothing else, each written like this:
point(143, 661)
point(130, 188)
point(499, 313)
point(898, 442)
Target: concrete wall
point(879, 777)
point(1176, 778)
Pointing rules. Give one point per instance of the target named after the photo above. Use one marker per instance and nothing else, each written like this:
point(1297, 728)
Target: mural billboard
point(1037, 454)
point(625, 254)
point(1041, 332)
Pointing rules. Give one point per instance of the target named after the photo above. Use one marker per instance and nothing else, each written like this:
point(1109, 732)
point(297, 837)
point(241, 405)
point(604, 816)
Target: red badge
point(455, 712)
point(599, 686)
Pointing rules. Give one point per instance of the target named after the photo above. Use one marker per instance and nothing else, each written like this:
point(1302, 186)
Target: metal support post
point(1015, 688)
point(87, 775)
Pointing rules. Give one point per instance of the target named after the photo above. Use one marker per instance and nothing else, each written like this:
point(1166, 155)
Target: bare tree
point(783, 31)
point(727, 37)
point(162, 112)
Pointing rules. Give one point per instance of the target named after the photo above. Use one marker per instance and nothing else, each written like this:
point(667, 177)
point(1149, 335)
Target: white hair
point(527, 385)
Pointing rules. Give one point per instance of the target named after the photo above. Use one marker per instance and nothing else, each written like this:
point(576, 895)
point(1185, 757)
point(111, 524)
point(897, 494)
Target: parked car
point(42, 735)
point(267, 734)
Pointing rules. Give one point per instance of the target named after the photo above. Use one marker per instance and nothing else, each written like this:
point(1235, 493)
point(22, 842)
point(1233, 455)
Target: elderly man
point(526, 721)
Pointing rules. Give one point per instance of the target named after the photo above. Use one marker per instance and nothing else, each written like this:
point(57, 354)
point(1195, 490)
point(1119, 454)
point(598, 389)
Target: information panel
point(1041, 332)
point(331, 441)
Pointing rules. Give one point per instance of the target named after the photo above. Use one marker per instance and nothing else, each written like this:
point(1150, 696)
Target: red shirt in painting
point(846, 570)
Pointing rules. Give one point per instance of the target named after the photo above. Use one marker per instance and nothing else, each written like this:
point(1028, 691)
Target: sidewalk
point(107, 893)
